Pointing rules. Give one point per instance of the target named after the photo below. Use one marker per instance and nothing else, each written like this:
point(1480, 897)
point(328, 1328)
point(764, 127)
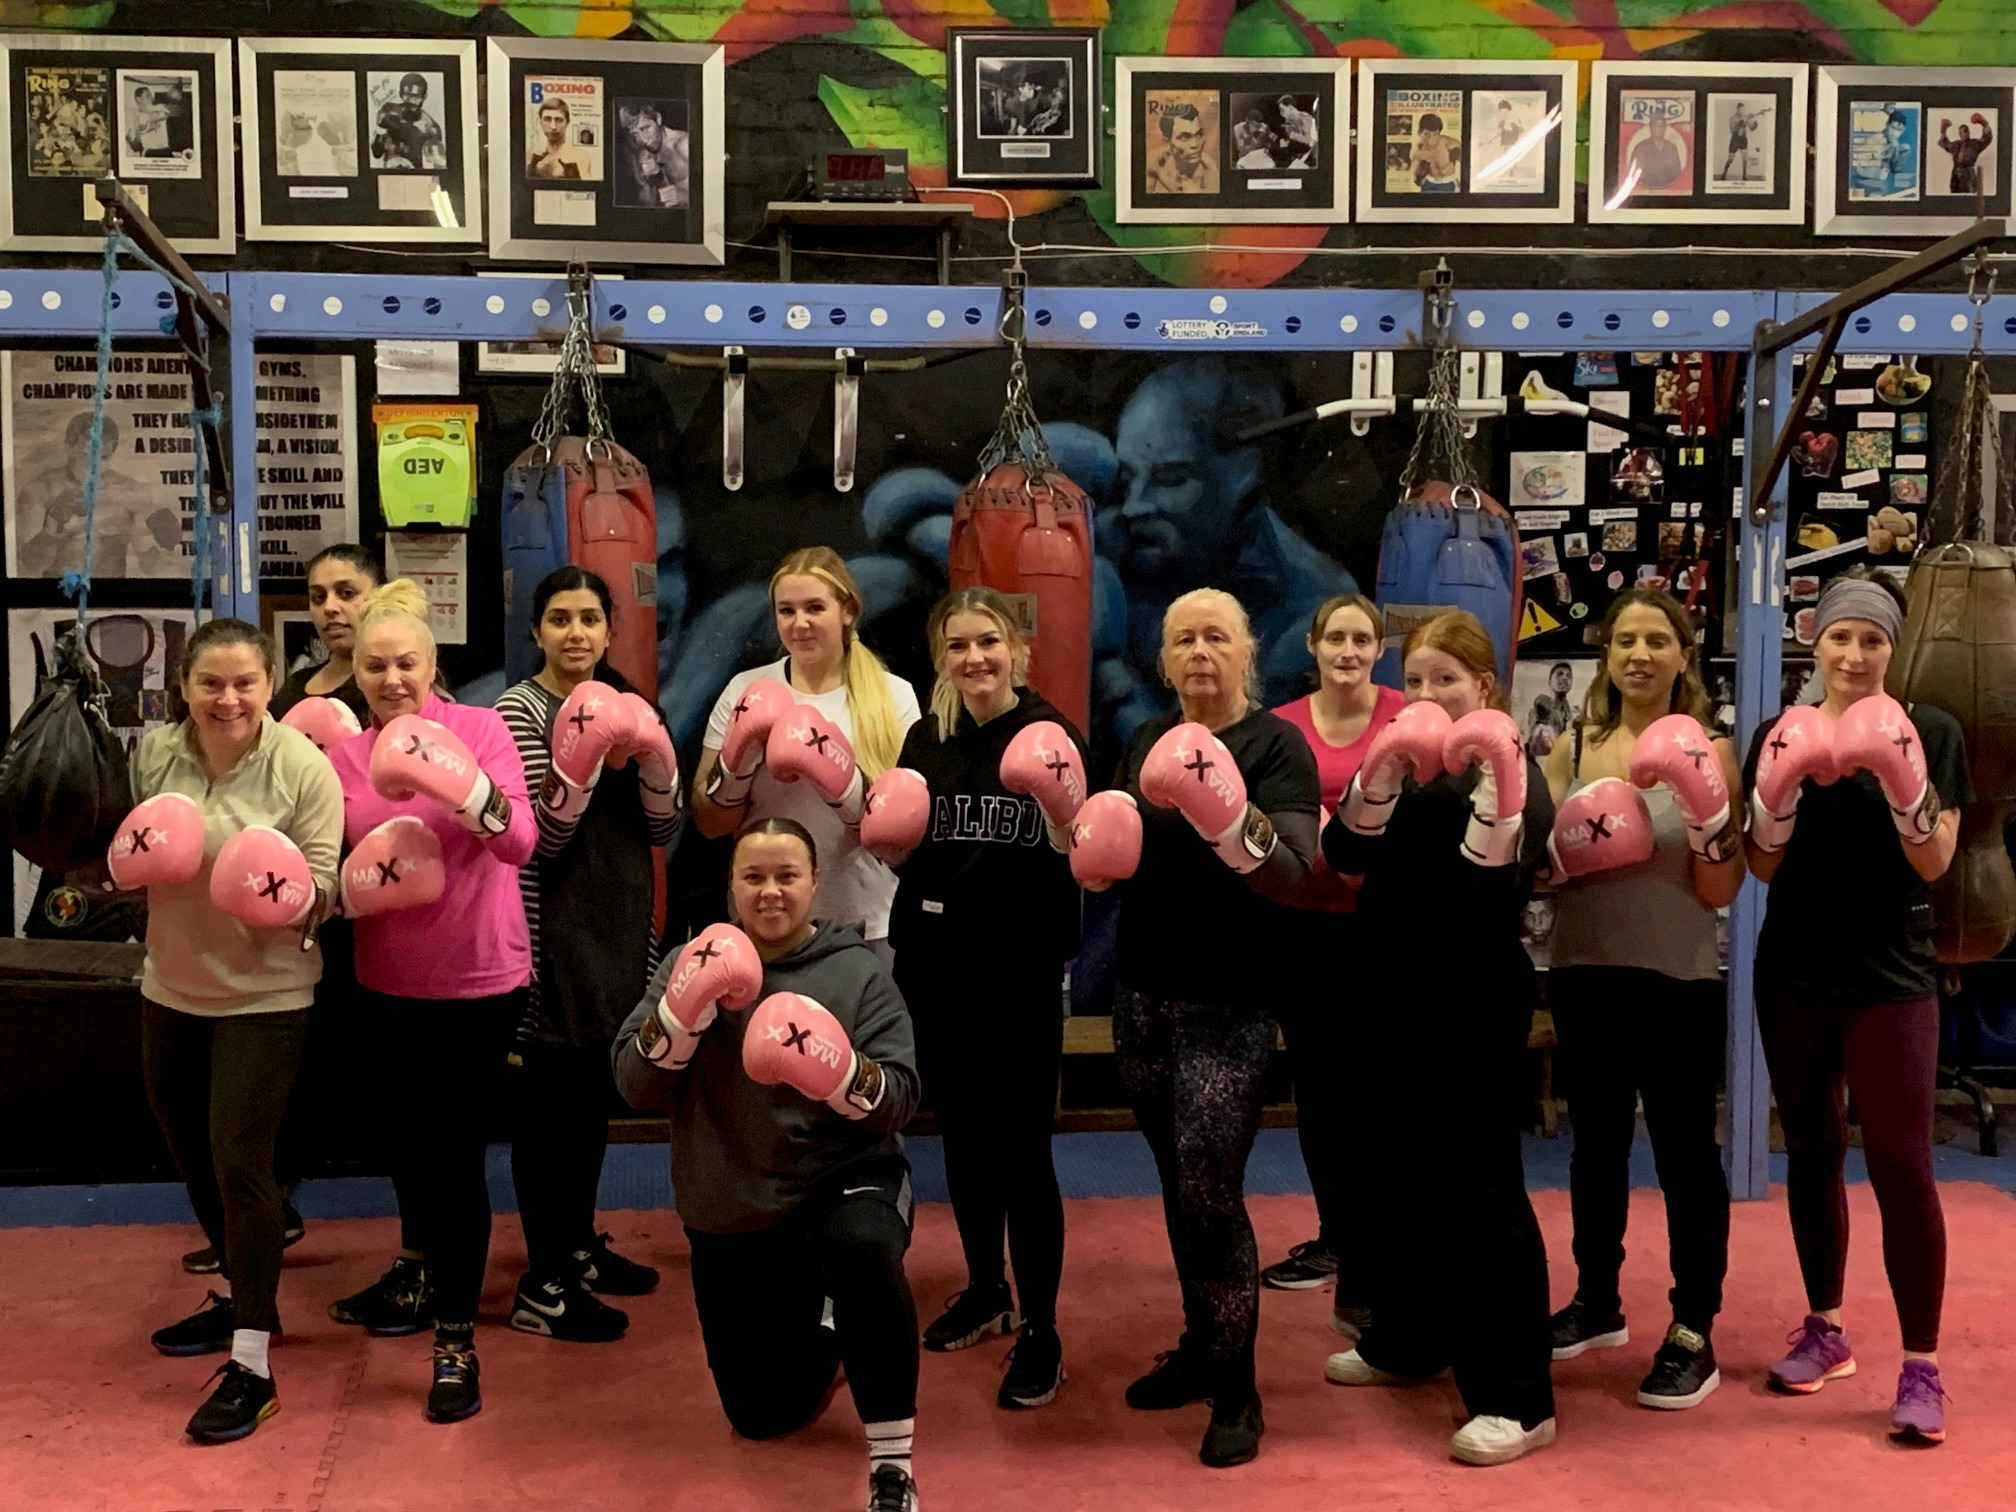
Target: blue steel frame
point(361, 307)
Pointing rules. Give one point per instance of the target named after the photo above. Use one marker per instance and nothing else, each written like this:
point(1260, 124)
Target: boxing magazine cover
point(1424, 141)
point(1655, 142)
point(69, 122)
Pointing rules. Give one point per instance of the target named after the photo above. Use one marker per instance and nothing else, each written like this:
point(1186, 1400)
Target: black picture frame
point(1023, 107)
point(1761, 105)
point(67, 119)
point(1845, 203)
point(361, 152)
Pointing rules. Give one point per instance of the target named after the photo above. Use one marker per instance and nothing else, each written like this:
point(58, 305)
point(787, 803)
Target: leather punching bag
point(1030, 539)
point(612, 530)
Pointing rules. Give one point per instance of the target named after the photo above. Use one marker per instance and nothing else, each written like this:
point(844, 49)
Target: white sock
point(889, 1444)
point(222, 1286)
point(248, 1348)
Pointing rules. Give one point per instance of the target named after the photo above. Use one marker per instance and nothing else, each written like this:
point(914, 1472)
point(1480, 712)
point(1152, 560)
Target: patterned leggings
point(1194, 1072)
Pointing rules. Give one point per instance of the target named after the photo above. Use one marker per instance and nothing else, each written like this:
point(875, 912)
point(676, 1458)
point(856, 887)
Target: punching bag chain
point(1019, 436)
point(1441, 426)
point(1976, 446)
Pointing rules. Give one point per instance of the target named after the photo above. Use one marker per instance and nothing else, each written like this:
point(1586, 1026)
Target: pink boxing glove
point(415, 755)
point(657, 763)
point(1190, 770)
point(326, 721)
point(1042, 762)
point(805, 743)
point(1800, 745)
point(591, 724)
point(262, 879)
point(762, 704)
point(1105, 840)
point(1489, 738)
point(1876, 735)
point(793, 1040)
point(1409, 746)
point(896, 814)
point(160, 841)
point(397, 865)
point(1677, 751)
point(718, 968)
point(1604, 826)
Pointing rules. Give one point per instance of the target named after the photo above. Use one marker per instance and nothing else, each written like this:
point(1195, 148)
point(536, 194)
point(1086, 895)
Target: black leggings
point(988, 1054)
point(218, 1087)
point(1626, 1032)
point(560, 1132)
point(1887, 1055)
point(1325, 1062)
point(1195, 1073)
point(439, 1122)
point(761, 1296)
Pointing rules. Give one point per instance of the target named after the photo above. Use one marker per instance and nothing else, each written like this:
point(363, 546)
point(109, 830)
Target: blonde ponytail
point(878, 737)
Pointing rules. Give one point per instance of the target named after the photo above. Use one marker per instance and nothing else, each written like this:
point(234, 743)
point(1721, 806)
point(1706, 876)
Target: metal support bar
point(1828, 319)
point(121, 214)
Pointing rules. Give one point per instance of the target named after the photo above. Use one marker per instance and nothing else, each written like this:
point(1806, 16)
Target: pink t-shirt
point(1335, 767)
point(472, 943)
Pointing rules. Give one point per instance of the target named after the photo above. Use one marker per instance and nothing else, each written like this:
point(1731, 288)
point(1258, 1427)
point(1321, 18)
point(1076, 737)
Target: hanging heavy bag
point(63, 780)
point(1024, 529)
point(535, 544)
point(612, 530)
point(1958, 653)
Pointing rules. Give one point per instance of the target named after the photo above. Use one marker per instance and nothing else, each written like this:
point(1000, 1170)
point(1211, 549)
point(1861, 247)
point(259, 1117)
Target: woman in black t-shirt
point(1447, 823)
point(990, 1042)
point(1227, 794)
point(339, 579)
point(1846, 977)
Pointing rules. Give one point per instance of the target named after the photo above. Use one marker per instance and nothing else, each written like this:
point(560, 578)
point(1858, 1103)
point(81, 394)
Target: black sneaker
point(1234, 1435)
point(204, 1261)
point(1308, 1266)
point(207, 1330)
point(1577, 1328)
point(1178, 1379)
point(565, 1309)
point(972, 1315)
point(398, 1303)
point(1035, 1369)
point(457, 1390)
point(1683, 1371)
point(605, 1271)
point(890, 1489)
point(1350, 1322)
point(241, 1402)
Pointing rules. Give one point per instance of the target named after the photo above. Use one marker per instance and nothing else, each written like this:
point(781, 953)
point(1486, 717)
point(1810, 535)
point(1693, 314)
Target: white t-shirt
point(854, 887)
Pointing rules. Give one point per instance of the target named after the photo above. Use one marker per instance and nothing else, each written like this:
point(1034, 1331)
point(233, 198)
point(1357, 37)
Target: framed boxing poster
point(1022, 106)
point(1466, 140)
point(605, 150)
point(1231, 140)
point(155, 111)
point(1910, 151)
point(1698, 143)
point(366, 139)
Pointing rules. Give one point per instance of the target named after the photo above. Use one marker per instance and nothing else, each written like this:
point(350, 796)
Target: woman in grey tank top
point(1635, 985)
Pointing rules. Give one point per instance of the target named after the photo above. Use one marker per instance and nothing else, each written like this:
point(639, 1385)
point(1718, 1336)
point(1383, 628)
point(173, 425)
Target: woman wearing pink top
point(442, 977)
point(1338, 720)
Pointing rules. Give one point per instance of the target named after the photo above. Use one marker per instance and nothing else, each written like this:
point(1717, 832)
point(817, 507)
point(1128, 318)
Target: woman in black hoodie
point(787, 1164)
point(958, 821)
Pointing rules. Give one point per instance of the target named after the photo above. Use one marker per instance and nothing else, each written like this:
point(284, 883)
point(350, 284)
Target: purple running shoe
point(1920, 1414)
point(1820, 1353)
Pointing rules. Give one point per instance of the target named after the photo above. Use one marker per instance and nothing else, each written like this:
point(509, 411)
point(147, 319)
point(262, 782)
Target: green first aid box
point(426, 473)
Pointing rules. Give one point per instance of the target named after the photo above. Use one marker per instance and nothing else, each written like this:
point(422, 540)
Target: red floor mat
point(90, 1417)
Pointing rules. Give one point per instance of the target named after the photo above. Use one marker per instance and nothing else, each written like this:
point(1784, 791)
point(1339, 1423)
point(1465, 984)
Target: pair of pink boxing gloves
point(1874, 735)
point(1041, 762)
point(599, 728)
point(260, 876)
point(1606, 825)
point(790, 1039)
point(1423, 742)
point(1190, 770)
point(769, 727)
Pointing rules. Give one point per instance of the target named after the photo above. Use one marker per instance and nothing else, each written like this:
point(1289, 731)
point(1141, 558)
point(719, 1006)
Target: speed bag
point(535, 543)
point(612, 530)
point(1031, 542)
point(63, 780)
point(1444, 548)
point(1958, 653)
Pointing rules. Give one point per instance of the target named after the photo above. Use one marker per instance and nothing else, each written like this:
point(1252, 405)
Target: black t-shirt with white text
point(1845, 915)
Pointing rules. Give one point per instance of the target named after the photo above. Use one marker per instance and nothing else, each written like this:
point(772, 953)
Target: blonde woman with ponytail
point(803, 737)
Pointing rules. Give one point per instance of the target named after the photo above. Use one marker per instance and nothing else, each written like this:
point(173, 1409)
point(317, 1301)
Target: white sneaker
point(1349, 1369)
point(1498, 1440)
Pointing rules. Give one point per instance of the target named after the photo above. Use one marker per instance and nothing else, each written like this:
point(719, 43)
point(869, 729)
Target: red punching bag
point(1024, 529)
point(612, 530)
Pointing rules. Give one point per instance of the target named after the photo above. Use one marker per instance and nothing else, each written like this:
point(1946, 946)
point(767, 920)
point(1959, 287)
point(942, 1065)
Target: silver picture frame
point(1720, 120)
point(1541, 153)
point(1846, 201)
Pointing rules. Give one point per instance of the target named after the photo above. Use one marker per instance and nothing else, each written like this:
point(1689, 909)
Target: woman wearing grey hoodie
point(787, 1165)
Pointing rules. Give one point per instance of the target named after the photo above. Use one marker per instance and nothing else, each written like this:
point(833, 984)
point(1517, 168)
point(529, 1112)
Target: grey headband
point(1858, 598)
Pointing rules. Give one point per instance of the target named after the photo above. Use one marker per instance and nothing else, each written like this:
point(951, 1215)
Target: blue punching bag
point(1445, 548)
point(535, 544)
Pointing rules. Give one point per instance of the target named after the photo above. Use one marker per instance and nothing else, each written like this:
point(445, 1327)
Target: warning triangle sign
point(1536, 621)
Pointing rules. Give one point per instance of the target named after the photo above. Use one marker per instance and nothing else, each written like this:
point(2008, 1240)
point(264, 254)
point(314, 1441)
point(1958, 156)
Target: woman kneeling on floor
point(787, 1166)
